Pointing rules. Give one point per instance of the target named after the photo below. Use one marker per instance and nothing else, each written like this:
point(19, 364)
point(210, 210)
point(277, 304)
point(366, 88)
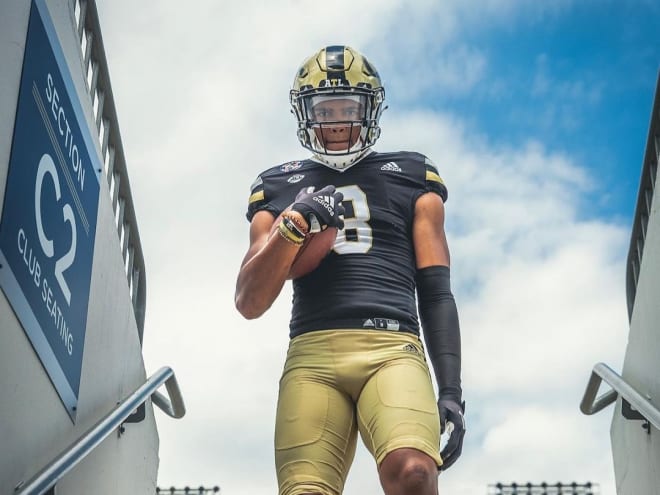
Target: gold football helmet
point(337, 74)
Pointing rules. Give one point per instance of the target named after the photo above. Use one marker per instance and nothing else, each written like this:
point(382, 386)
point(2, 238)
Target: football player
point(355, 362)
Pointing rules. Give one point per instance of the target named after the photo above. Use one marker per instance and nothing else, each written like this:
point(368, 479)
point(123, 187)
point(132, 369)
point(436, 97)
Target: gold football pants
point(338, 382)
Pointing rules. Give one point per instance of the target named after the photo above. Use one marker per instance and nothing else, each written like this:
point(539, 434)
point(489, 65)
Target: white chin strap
point(341, 161)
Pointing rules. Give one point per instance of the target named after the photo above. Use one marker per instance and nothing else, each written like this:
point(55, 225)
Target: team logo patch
point(391, 167)
point(288, 167)
point(295, 178)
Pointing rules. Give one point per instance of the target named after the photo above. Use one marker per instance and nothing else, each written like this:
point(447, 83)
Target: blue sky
point(579, 79)
point(536, 114)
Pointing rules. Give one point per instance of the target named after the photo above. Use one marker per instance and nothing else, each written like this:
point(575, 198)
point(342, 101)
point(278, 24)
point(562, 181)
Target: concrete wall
point(34, 425)
point(636, 452)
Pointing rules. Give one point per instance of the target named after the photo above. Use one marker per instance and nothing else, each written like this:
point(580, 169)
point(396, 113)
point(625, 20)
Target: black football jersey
point(368, 280)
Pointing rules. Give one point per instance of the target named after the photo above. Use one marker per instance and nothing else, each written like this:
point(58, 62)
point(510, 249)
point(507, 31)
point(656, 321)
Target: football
point(311, 253)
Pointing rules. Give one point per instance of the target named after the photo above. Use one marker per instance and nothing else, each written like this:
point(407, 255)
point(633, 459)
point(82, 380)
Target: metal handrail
point(591, 405)
point(79, 449)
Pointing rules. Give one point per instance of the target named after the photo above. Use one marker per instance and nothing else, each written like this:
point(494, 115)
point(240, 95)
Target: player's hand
point(321, 209)
point(452, 421)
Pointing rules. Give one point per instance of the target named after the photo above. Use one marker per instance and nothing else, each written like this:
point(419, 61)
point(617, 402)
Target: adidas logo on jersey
point(328, 202)
point(391, 167)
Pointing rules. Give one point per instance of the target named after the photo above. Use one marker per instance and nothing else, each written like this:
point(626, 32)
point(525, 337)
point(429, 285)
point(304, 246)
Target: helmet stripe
point(334, 62)
point(334, 57)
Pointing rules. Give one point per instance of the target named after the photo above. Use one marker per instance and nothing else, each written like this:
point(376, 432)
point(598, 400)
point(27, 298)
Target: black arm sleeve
point(442, 335)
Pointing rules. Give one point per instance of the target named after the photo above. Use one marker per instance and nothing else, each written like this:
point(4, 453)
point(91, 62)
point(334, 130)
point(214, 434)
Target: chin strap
point(335, 161)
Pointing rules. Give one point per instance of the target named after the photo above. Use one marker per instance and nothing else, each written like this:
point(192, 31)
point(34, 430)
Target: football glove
point(321, 209)
point(453, 421)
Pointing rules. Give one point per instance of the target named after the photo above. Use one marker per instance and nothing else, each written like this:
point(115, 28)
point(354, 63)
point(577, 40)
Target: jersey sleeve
point(433, 181)
point(274, 189)
point(257, 200)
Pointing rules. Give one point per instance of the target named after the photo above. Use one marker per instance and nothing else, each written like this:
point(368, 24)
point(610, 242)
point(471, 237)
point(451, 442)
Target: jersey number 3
point(357, 236)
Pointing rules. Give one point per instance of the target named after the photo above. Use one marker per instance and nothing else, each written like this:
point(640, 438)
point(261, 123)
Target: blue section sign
point(48, 223)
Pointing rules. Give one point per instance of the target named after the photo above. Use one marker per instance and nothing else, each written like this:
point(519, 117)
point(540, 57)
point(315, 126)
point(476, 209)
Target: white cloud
point(544, 443)
point(202, 102)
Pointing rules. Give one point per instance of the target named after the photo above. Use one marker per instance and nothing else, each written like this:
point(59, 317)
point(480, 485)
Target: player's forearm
point(439, 318)
point(262, 277)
